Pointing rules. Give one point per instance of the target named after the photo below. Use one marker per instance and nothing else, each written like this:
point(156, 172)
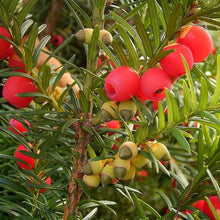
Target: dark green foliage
point(189, 129)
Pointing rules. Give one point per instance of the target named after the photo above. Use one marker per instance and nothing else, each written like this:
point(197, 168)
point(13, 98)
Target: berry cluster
point(124, 165)
point(123, 82)
point(15, 84)
point(109, 110)
point(22, 160)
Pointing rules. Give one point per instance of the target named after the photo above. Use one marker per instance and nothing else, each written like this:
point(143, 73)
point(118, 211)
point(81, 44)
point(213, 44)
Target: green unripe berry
point(127, 109)
point(121, 167)
point(91, 180)
point(108, 111)
point(85, 36)
point(159, 150)
point(140, 161)
point(107, 174)
point(93, 167)
point(128, 150)
point(130, 174)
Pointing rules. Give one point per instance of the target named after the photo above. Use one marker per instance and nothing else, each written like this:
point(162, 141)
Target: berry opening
point(110, 89)
point(159, 92)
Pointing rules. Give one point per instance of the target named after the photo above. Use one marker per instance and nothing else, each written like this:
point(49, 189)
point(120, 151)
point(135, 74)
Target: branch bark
point(53, 16)
point(75, 191)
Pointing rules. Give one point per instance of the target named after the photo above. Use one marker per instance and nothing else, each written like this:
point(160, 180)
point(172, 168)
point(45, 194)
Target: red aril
point(4, 45)
point(15, 61)
point(15, 85)
point(216, 204)
point(18, 125)
point(122, 83)
point(27, 159)
point(198, 40)
point(172, 64)
point(153, 83)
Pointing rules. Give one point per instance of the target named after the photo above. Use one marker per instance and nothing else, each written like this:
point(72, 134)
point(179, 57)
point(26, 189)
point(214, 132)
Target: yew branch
point(75, 191)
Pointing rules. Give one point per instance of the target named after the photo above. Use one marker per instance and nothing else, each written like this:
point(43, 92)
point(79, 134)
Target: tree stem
point(75, 191)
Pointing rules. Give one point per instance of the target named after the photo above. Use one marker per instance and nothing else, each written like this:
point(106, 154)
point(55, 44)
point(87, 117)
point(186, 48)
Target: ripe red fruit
point(153, 83)
point(197, 39)
point(57, 40)
point(27, 159)
point(113, 124)
point(104, 57)
point(141, 175)
point(4, 45)
point(15, 85)
point(15, 61)
point(47, 181)
point(18, 125)
point(122, 83)
point(172, 64)
point(216, 204)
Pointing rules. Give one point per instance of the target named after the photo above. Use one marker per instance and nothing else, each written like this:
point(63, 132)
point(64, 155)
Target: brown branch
point(75, 191)
point(53, 16)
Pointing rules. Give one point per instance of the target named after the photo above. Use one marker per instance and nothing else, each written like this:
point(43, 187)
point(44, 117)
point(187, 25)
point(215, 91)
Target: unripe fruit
point(127, 109)
point(85, 36)
point(91, 180)
point(122, 83)
point(18, 125)
point(153, 83)
point(121, 167)
point(108, 111)
point(15, 85)
point(15, 61)
point(4, 45)
point(198, 40)
point(141, 162)
point(130, 174)
point(107, 174)
point(128, 150)
point(93, 167)
point(27, 159)
point(172, 64)
point(159, 150)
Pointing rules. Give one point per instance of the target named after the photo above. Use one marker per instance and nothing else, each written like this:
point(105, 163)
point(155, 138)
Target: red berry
point(153, 83)
point(114, 124)
point(4, 45)
point(122, 83)
point(57, 40)
point(15, 85)
point(216, 204)
point(172, 64)
point(198, 40)
point(199, 204)
point(47, 181)
point(15, 61)
point(141, 175)
point(27, 159)
point(18, 125)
